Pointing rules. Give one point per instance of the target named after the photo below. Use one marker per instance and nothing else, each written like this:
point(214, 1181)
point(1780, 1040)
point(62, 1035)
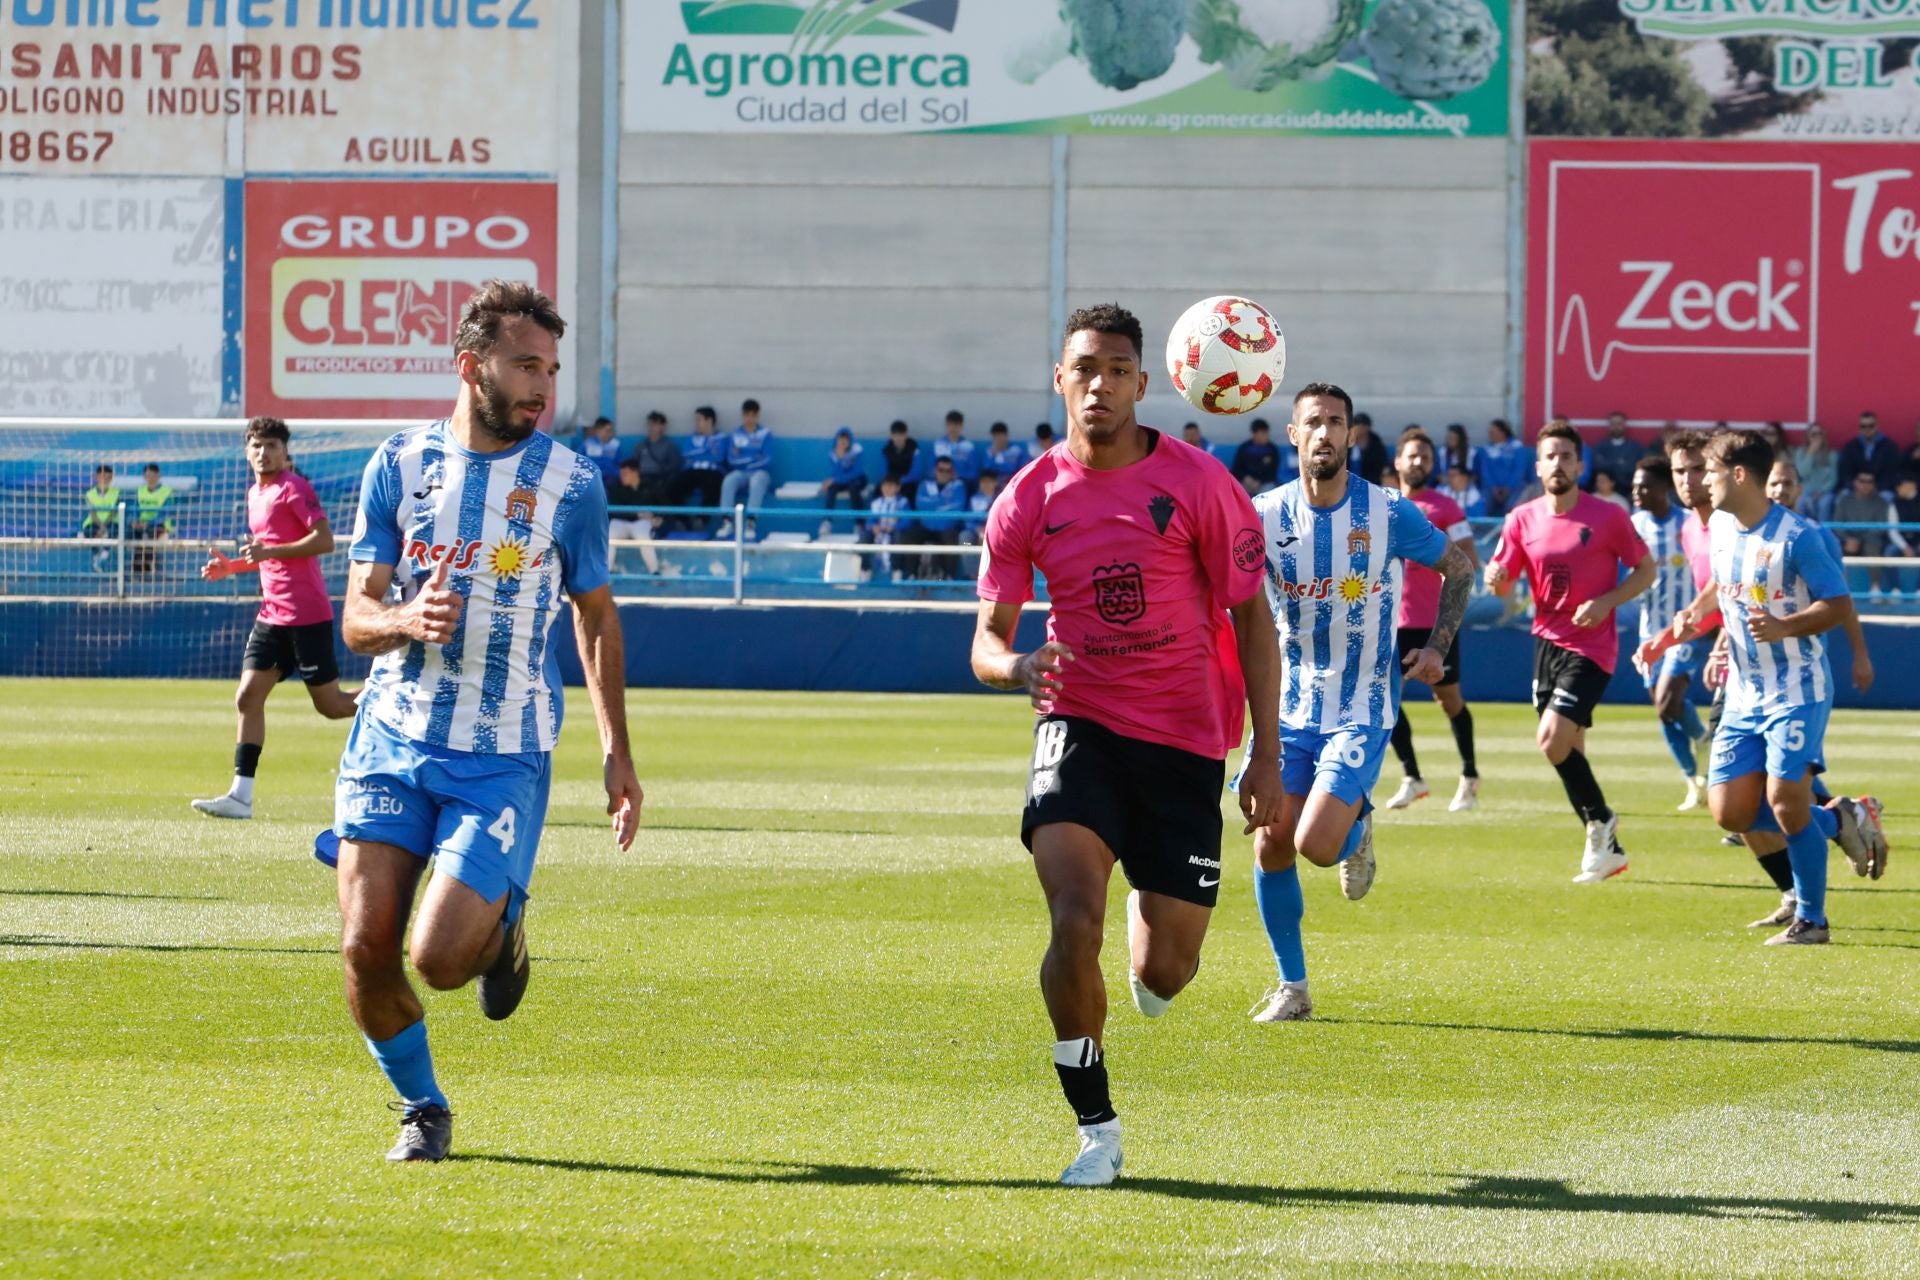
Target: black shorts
point(1157, 807)
point(1567, 683)
point(1411, 638)
point(304, 652)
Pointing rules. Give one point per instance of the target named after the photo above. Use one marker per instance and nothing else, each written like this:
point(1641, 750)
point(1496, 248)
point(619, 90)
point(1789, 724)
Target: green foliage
point(1614, 85)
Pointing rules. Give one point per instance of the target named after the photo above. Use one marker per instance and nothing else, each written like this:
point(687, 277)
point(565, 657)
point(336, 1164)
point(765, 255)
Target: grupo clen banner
point(1736, 281)
point(1811, 69)
point(1353, 67)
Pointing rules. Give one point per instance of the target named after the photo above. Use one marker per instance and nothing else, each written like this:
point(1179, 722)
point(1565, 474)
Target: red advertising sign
point(353, 289)
point(1702, 281)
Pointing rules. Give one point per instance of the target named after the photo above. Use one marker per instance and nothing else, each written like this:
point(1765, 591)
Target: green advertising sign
point(1432, 68)
point(1826, 69)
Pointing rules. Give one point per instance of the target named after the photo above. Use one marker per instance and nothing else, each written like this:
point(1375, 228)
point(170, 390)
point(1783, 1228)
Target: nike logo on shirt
point(1055, 528)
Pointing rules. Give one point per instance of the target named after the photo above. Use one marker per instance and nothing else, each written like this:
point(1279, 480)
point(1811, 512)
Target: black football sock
point(1083, 1078)
point(1779, 868)
point(1576, 775)
point(1403, 746)
point(1462, 726)
point(246, 759)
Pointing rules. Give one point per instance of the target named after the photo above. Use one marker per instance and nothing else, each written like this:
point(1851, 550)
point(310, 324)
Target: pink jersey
point(1142, 564)
point(1420, 593)
point(1571, 559)
point(1698, 545)
point(282, 509)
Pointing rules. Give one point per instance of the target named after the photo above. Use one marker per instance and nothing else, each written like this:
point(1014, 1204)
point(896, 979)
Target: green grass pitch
point(797, 1031)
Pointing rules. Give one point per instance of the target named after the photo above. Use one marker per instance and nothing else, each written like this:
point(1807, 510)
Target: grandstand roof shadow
point(1647, 1033)
point(1468, 1191)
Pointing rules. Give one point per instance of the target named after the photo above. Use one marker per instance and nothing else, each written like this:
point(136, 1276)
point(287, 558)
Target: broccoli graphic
point(1432, 49)
point(1264, 42)
point(1123, 42)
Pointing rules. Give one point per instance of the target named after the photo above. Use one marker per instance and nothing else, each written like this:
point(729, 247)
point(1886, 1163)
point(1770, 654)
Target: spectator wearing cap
point(1003, 456)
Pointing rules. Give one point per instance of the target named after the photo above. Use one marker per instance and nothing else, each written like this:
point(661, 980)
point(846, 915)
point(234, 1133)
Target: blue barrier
point(874, 650)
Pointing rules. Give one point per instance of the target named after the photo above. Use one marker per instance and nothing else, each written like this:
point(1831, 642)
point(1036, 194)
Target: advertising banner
point(212, 87)
point(132, 326)
point(1812, 69)
point(1702, 281)
point(354, 287)
point(1350, 67)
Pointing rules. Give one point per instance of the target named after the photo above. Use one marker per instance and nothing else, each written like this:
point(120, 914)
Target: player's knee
point(441, 970)
point(365, 953)
point(1077, 926)
point(1164, 975)
point(1271, 852)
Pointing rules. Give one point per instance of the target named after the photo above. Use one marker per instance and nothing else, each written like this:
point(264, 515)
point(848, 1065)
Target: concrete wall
point(857, 279)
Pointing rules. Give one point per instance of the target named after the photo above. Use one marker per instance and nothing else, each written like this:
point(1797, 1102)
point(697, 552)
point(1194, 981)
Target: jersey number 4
point(502, 830)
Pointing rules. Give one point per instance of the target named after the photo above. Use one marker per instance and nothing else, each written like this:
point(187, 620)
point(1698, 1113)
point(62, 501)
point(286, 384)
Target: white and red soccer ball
point(1226, 355)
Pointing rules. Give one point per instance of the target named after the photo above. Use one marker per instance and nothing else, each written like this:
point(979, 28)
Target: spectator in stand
point(902, 454)
point(1460, 488)
point(1458, 451)
point(973, 531)
point(600, 446)
point(660, 463)
point(1905, 543)
point(1367, 455)
point(629, 490)
point(1191, 434)
point(706, 459)
point(1819, 469)
point(846, 473)
point(1505, 468)
point(1256, 463)
point(1042, 438)
point(883, 528)
point(956, 448)
point(1390, 479)
point(1003, 456)
point(151, 521)
point(1872, 452)
point(1910, 465)
point(749, 465)
point(1617, 456)
point(939, 493)
point(1775, 434)
point(1861, 504)
point(102, 518)
point(1603, 489)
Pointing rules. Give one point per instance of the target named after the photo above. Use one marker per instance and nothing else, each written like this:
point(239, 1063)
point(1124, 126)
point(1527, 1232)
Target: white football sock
point(242, 789)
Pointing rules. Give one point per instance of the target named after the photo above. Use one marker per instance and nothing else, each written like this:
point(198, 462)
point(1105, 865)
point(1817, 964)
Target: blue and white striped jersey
point(1673, 588)
point(1781, 565)
point(1333, 581)
point(518, 528)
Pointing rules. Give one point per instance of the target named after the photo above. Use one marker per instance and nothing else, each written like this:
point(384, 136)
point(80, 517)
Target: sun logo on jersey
point(1353, 587)
point(1758, 592)
point(508, 557)
point(521, 504)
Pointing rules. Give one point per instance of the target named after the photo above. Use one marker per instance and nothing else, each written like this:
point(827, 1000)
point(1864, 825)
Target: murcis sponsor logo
point(509, 557)
point(1349, 588)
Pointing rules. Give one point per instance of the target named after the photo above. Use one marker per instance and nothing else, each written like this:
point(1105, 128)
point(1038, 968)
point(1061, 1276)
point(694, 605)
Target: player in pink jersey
point(293, 633)
point(1572, 546)
point(1154, 559)
point(1419, 606)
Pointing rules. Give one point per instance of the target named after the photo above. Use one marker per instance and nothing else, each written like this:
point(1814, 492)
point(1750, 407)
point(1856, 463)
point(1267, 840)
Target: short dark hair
point(104, 466)
point(1686, 438)
point(603, 421)
point(492, 303)
point(1740, 448)
point(1657, 469)
point(942, 462)
point(268, 429)
point(954, 415)
point(706, 411)
point(988, 473)
point(654, 415)
point(898, 426)
point(1362, 419)
point(997, 429)
point(1259, 424)
point(1558, 430)
point(1501, 425)
point(1327, 389)
point(749, 405)
point(1106, 317)
point(630, 464)
point(153, 467)
point(1413, 435)
point(1044, 431)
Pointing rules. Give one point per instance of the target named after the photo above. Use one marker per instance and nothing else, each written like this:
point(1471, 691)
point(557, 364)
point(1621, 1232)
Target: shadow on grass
point(109, 893)
point(1760, 888)
point(1468, 1191)
point(733, 829)
point(81, 944)
point(1663, 1034)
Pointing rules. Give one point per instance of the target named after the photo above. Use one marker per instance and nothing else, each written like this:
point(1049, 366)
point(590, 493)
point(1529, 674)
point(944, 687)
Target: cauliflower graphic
point(1432, 49)
point(1264, 42)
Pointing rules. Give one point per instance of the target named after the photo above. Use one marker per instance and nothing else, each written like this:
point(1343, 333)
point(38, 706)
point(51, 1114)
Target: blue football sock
point(1351, 844)
point(1277, 894)
point(1690, 721)
point(408, 1065)
point(1826, 821)
point(1681, 746)
point(1807, 851)
point(1821, 795)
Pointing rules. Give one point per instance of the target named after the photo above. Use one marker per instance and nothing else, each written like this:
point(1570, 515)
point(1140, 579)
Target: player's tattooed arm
point(1456, 588)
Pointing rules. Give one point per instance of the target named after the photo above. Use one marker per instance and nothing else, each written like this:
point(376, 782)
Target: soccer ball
point(1226, 355)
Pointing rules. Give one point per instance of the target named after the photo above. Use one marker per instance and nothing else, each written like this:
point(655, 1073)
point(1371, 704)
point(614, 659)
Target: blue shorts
point(1783, 742)
point(1687, 659)
point(1345, 763)
point(479, 815)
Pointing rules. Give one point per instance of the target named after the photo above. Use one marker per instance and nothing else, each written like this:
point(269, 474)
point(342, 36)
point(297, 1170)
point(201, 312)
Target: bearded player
point(1157, 640)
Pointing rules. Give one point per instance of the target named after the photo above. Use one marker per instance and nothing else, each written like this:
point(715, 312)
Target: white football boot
point(1696, 795)
point(1411, 789)
point(1099, 1161)
point(1603, 858)
point(1466, 796)
point(1356, 872)
point(224, 807)
point(1288, 1002)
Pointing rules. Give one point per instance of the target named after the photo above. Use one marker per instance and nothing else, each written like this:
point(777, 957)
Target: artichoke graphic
point(1432, 49)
